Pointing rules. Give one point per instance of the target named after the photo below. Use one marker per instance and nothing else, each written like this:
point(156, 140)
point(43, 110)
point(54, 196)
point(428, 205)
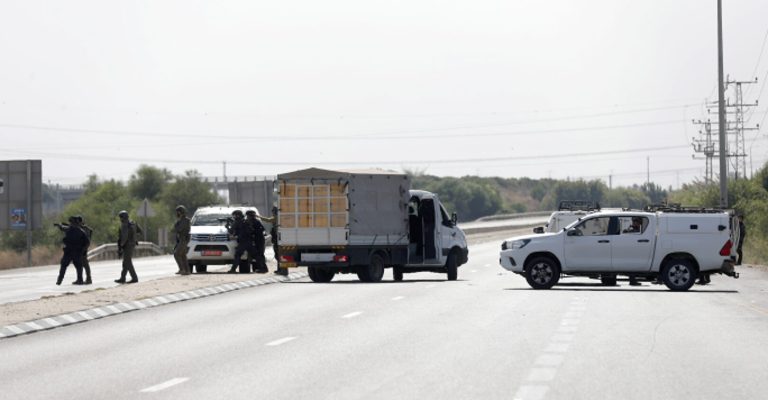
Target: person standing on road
point(273, 238)
point(182, 228)
point(238, 227)
point(126, 244)
point(74, 242)
point(742, 236)
point(86, 264)
point(259, 263)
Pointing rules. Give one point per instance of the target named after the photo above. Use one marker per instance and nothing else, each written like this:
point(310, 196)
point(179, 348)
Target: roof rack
point(578, 205)
point(677, 208)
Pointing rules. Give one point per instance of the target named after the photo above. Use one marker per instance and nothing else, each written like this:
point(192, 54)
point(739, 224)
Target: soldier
point(86, 265)
point(259, 263)
point(74, 242)
point(182, 228)
point(273, 238)
point(126, 244)
point(242, 231)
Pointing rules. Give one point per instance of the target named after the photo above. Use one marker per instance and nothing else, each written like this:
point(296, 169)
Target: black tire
point(542, 273)
point(372, 272)
point(452, 266)
point(318, 275)
point(608, 279)
point(397, 274)
point(678, 274)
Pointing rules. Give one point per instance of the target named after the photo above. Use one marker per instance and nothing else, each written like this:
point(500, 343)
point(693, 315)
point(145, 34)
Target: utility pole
point(721, 108)
point(648, 172)
point(225, 179)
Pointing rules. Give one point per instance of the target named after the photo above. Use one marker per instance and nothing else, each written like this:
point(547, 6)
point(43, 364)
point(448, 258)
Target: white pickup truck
point(675, 247)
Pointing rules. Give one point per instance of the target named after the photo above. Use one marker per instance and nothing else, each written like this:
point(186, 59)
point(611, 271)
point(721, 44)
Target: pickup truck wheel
point(320, 276)
point(678, 274)
point(372, 272)
point(608, 279)
point(452, 266)
point(542, 273)
point(397, 273)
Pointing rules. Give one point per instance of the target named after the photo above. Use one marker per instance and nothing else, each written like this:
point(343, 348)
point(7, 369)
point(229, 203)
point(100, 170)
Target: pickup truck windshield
point(209, 219)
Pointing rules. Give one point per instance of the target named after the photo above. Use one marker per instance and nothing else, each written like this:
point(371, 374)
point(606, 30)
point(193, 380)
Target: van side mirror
point(538, 229)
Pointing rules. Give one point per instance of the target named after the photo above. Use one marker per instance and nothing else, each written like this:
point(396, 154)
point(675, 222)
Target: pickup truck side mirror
point(574, 232)
point(538, 229)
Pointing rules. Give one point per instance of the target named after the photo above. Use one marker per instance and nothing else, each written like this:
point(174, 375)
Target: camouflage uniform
point(182, 228)
point(126, 245)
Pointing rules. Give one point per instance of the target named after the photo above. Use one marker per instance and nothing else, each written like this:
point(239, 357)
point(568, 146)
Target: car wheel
point(397, 274)
point(452, 266)
point(678, 274)
point(372, 272)
point(608, 279)
point(320, 276)
point(542, 273)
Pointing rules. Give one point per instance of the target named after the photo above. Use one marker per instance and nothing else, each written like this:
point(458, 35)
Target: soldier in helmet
point(74, 242)
point(242, 231)
point(258, 262)
point(86, 265)
point(182, 228)
point(128, 238)
point(273, 236)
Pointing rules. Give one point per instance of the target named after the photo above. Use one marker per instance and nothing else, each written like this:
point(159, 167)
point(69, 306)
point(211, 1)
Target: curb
point(76, 317)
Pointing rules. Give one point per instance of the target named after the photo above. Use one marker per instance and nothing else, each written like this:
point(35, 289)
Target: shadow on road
point(585, 287)
point(371, 283)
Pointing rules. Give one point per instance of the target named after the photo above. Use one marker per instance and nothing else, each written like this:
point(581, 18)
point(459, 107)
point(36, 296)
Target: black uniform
point(87, 265)
point(258, 262)
point(244, 234)
point(75, 240)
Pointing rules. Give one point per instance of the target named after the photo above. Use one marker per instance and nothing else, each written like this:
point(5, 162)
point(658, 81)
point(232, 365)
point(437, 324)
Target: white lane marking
point(352, 314)
point(164, 385)
point(567, 322)
point(278, 342)
point(397, 298)
point(573, 314)
point(549, 360)
point(542, 374)
point(474, 270)
point(530, 392)
point(487, 265)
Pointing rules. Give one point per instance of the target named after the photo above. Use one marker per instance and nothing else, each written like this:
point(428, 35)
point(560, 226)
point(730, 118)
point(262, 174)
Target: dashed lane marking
point(397, 298)
point(352, 314)
point(531, 392)
point(278, 342)
point(164, 385)
point(542, 374)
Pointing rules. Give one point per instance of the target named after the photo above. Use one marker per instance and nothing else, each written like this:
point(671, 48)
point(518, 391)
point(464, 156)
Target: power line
point(386, 162)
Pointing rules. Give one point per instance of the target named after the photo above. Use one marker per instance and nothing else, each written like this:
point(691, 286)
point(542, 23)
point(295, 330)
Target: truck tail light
point(286, 259)
point(726, 250)
point(340, 258)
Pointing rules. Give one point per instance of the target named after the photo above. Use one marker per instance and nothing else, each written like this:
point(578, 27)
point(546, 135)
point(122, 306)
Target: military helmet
point(79, 218)
point(250, 212)
point(237, 213)
point(181, 209)
point(72, 219)
point(123, 214)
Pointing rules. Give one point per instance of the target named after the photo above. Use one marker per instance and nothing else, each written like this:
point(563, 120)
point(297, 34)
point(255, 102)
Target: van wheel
point(678, 274)
point(452, 266)
point(372, 272)
point(542, 273)
point(320, 276)
point(608, 279)
point(397, 273)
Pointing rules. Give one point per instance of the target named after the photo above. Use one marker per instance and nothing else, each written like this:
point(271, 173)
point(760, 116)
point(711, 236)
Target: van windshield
point(209, 219)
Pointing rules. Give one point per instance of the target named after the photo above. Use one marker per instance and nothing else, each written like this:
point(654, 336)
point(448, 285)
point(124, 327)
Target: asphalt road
point(486, 336)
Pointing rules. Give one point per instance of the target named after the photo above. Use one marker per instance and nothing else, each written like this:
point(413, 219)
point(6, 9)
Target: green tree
point(148, 182)
point(189, 190)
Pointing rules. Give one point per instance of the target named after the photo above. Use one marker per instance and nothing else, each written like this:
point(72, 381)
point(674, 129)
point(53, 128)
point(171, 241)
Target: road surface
point(485, 336)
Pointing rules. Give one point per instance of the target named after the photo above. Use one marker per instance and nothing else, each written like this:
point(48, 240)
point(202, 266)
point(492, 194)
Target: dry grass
point(41, 255)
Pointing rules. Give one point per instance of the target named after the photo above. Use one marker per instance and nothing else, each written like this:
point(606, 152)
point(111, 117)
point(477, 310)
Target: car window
point(594, 226)
point(209, 219)
point(633, 225)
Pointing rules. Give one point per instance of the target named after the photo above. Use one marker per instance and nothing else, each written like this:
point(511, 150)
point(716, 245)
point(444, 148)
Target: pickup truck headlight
point(515, 244)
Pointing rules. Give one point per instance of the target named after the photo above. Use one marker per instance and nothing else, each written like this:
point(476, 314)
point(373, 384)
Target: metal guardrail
point(514, 216)
point(109, 251)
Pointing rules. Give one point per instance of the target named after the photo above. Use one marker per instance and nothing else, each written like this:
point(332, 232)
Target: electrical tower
point(707, 144)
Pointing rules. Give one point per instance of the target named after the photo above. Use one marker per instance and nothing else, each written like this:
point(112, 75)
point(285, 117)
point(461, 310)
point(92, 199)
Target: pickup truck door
point(587, 246)
point(633, 246)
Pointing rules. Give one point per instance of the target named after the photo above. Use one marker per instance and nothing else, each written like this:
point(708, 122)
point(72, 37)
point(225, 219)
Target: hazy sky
point(524, 88)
